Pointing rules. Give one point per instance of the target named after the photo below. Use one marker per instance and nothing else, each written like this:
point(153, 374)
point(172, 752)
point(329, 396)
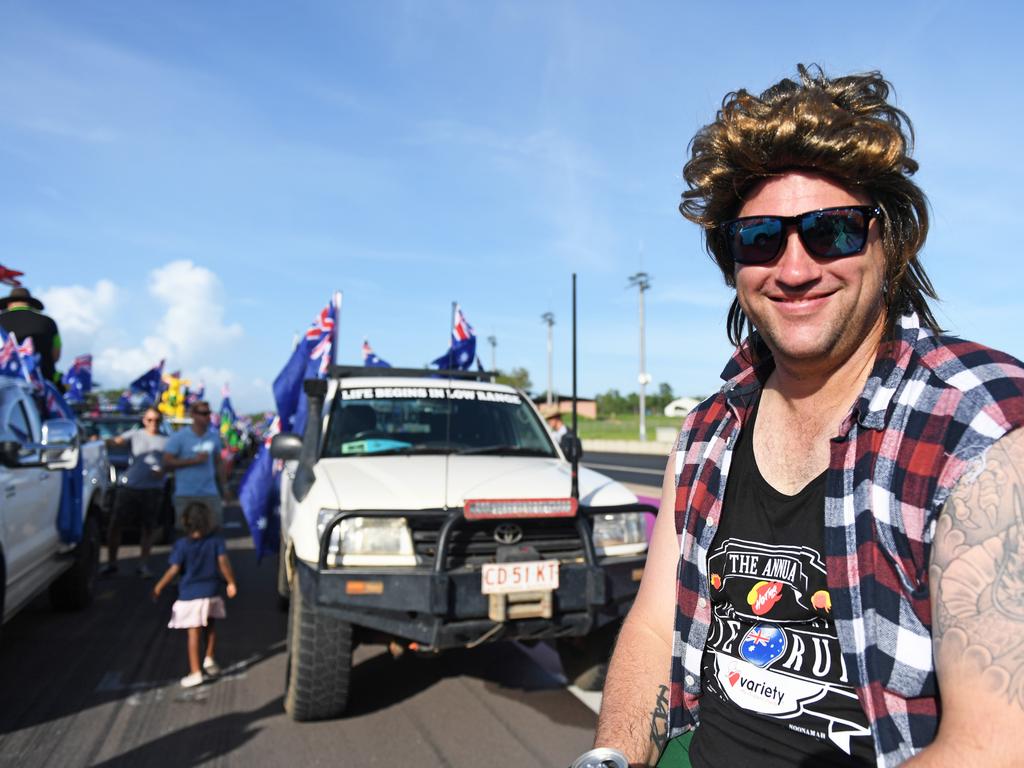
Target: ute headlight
point(372, 541)
point(621, 534)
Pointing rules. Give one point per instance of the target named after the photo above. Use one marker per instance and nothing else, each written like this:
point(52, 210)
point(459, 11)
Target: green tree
point(517, 377)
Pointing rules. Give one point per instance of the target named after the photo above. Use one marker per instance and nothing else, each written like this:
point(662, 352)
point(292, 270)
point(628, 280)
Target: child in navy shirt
point(197, 557)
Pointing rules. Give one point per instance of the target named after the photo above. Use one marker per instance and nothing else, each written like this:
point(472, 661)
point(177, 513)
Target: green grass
point(624, 426)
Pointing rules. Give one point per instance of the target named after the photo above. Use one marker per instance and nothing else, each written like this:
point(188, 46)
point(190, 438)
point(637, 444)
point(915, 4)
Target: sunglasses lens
point(835, 233)
point(756, 240)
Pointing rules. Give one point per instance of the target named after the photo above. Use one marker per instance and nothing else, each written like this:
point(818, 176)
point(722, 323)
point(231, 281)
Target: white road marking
point(546, 657)
point(591, 698)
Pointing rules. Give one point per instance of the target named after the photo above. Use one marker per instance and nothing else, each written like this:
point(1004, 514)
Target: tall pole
point(493, 341)
point(575, 487)
point(549, 318)
point(642, 281)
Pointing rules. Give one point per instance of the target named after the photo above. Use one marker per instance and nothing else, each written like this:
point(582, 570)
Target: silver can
point(601, 757)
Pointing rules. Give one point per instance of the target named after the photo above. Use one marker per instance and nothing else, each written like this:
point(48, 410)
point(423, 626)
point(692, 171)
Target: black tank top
point(776, 690)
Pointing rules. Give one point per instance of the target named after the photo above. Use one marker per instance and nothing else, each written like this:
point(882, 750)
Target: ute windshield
point(418, 420)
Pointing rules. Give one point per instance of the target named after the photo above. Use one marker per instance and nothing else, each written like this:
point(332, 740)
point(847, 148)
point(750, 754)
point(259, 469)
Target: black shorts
point(138, 506)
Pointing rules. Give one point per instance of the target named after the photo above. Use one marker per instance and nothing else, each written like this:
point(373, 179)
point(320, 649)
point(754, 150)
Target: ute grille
point(474, 543)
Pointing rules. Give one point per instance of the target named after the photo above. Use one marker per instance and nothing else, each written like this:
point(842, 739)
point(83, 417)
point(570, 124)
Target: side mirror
point(60, 444)
point(286, 446)
point(571, 446)
point(10, 453)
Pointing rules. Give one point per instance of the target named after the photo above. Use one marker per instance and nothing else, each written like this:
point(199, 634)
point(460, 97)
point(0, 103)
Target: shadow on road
point(382, 682)
point(199, 743)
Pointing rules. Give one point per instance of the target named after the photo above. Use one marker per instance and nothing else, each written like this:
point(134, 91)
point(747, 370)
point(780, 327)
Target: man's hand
point(200, 457)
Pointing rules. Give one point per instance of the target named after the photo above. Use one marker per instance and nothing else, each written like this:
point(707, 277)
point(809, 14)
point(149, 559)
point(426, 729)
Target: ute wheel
point(73, 590)
point(319, 662)
point(585, 659)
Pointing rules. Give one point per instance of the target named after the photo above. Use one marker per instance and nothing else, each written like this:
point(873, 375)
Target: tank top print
point(776, 689)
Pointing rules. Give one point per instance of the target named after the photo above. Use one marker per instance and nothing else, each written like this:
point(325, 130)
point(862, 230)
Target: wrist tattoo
point(659, 720)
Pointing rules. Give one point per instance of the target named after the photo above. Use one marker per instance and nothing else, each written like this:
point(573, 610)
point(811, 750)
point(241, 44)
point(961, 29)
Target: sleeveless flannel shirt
point(929, 410)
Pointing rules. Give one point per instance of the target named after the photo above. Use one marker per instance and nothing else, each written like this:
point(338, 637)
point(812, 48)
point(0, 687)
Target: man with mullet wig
point(836, 576)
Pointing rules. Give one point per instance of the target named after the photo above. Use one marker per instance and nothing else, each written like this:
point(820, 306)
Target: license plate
point(502, 578)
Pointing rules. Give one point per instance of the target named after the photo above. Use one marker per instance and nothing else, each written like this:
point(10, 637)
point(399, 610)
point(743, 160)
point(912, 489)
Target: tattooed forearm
point(977, 573)
point(659, 720)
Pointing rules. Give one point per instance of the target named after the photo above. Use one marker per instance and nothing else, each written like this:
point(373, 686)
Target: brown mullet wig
point(843, 128)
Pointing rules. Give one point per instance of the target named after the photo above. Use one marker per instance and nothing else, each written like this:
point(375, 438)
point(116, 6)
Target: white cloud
point(187, 327)
point(80, 311)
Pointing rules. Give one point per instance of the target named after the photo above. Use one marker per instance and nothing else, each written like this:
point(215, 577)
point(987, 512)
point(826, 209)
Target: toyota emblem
point(508, 533)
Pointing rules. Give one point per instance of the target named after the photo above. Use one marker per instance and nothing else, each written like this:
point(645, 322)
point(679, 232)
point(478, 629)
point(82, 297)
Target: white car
point(33, 455)
point(438, 513)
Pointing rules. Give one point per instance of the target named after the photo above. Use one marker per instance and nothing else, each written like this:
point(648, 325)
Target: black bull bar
point(425, 603)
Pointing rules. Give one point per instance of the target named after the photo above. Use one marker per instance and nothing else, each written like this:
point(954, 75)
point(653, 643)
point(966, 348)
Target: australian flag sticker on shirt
point(763, 644)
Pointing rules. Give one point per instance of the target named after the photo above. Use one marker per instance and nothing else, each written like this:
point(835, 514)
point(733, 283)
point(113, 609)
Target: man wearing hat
point(21, 314)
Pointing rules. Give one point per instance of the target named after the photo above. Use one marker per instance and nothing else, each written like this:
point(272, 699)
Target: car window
point(422, 419)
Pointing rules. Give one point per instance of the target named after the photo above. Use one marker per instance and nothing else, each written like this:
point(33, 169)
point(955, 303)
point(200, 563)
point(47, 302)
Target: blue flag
point(10, 358)
point(462, 352)
point(124, 402)
point(311, 359)
point(78, 379)
point(259, 496)
point(150, 383)
point(370, 360)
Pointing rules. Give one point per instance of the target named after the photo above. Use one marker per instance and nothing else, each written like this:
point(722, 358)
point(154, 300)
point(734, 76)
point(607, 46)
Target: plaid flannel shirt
point(929, 410)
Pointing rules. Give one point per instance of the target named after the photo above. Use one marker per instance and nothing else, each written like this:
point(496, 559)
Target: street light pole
point(642, 281)
point(549, 318)
point(493, 341)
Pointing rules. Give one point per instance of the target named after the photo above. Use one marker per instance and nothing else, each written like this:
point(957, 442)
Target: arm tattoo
point(977, 573)
point(659, 720)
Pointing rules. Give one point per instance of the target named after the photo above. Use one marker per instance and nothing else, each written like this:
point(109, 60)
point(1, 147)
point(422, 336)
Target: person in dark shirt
point(21, 313)
point(201, 559)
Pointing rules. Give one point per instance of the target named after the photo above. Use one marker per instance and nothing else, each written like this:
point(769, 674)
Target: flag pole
point(337, 327)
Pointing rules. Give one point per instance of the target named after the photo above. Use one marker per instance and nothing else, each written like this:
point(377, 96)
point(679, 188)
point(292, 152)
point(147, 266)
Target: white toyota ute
point(436, 511)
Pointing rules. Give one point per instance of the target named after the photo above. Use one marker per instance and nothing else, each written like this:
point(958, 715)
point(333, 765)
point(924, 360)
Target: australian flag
point(763, 644)
point(258, 495)
point(462, 352)
point(370, 359)
point(150, 383)
point(78, 379)
point(20, 360)
point(311, 359)
point(10, 360)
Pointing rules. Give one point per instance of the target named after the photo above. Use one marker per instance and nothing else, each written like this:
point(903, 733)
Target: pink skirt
point(186, 614)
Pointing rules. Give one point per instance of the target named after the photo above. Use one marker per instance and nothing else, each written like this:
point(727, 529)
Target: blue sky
point(193, 179)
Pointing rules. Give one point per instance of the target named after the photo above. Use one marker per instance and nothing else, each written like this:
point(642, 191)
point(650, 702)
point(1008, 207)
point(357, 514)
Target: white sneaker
point(210, 666)
point(192, 680)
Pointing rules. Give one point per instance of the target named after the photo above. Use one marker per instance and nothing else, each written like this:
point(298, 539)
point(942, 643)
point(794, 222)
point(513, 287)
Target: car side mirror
point(286, 446)
point(60, 444)
point(10, 453)
point(571, 446)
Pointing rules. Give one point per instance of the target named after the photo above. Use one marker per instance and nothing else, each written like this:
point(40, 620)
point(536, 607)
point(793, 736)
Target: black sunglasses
point(828, 233)
point(201, 413)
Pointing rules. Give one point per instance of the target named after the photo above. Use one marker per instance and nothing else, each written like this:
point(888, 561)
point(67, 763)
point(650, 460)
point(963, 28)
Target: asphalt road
point(636, 469)
point(100, 688)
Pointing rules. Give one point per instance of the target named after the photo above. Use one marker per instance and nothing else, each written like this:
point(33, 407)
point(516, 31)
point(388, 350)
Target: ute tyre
point(73, 590)
point(319, 663)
